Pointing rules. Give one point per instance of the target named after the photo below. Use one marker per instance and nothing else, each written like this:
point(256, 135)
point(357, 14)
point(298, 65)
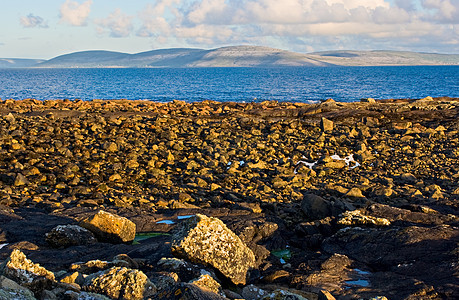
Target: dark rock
point(186, 291)
point(315, 207)
point(69, 235)
point(10, 290)
point(415, 252)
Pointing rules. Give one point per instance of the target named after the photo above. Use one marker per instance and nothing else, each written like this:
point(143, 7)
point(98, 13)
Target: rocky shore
point(143, 200)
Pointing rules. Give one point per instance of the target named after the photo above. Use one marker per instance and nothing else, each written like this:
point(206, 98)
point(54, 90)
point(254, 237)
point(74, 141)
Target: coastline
point(368, 186)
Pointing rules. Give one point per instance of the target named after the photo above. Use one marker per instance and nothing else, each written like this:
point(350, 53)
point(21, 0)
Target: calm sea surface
point(232, 84)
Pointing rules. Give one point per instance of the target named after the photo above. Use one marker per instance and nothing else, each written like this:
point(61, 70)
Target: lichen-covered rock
point(355, 193)
point(22, 270)
point(110, 228)
point(10, 290)
point(253, 292)
point(356, 218)
point(73, 278)
point(15, 295)
point(206, 282)
point(91, 266)
point(69, 235)
point(120, 283)
point(207, 240)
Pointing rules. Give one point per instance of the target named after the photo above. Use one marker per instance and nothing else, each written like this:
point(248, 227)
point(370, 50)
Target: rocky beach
point(118, 199)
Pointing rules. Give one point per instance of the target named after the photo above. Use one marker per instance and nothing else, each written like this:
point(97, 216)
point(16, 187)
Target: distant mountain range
point(234, 56)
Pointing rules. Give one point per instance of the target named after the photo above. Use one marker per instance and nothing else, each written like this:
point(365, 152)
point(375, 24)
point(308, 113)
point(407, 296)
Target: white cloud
point(117, 23)
point(75, 13)
point(153, 18)
point(208, 11)
point(31, 20)
point(446, 10)
point(294, 23)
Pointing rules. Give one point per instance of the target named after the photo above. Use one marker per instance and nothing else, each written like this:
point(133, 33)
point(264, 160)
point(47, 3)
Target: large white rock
point(207, 240)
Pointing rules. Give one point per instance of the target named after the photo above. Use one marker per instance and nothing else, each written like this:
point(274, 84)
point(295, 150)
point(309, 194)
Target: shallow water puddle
point(361, 279)
point(362, 272)
point(358, 282)
point(283, 255)
point(168, 222)
point(146, 235)
point(171, 222)
point(185, 217)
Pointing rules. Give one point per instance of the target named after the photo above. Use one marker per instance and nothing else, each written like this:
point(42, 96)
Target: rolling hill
point(233, 56)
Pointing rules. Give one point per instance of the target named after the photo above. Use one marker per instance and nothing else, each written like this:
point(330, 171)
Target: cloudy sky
point(47, 28)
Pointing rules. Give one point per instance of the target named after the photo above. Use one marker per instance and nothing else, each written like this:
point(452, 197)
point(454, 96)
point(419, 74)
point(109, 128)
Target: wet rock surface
point(333, 200)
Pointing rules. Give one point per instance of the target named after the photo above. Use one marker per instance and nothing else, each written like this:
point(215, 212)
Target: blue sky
point(47, 28)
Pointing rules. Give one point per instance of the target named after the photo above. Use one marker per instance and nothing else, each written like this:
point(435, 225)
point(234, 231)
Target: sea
point(289, 84)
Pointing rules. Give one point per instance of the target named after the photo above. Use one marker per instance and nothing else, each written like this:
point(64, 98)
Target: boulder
point(20, 180)
point(206, 282)
point(185, 270)
point(368, 100)
point(207, 240)
point(22, 270)
point(326, 125)
point(110, 228)
point(10, 290)
point(315, 207)
point(120, 283)
point(91, 266)
point(6, 294)
point(355, 193)
point(253, 292)
point(69, 235)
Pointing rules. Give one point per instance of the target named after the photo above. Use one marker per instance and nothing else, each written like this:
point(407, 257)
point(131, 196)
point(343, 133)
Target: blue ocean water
point(305, 84)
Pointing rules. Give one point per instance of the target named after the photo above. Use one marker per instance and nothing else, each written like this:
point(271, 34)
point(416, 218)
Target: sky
point(48, 28)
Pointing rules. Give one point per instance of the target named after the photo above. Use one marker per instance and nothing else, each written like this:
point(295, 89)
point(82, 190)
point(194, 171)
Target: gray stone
point(10, 290)
point(69, 235)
